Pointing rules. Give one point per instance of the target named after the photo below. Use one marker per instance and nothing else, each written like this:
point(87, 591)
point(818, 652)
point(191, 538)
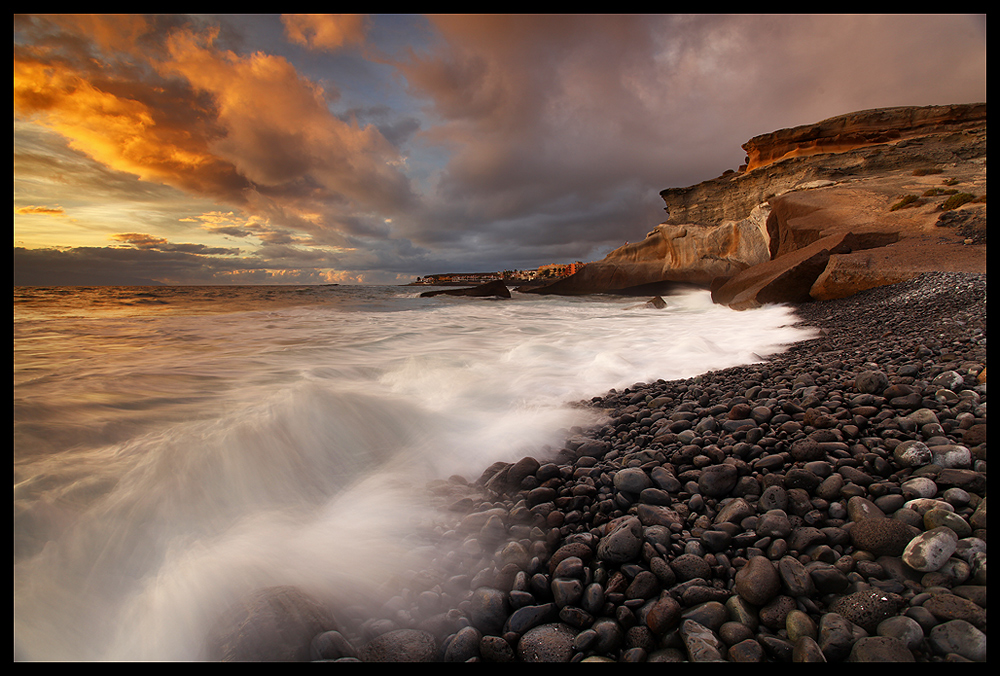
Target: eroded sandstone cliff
point(861, 129)
point(821, 211)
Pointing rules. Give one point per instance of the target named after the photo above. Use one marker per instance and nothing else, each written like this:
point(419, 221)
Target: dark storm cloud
point(550, 119)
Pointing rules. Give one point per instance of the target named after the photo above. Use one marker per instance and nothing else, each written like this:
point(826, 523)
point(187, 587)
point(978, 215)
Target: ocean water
point(178, 446)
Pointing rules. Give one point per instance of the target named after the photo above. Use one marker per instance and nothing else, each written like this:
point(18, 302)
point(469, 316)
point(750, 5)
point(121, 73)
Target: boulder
point(497, 289)
point(787, 279)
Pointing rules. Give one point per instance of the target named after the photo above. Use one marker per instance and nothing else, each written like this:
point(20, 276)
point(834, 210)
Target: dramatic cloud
point(143, 241)
point(325, 31)
point(49, 211)
point(378, 147)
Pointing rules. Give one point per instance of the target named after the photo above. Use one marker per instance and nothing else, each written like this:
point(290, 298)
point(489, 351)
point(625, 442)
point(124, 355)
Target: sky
point(375, 149)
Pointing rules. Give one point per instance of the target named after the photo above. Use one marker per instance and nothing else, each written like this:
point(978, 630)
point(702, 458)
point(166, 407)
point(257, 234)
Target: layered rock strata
point(860, 129)
point(824, 211)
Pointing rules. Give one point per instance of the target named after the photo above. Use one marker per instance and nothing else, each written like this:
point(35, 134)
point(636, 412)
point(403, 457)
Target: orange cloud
point(278, 127)
point(325, 31)
point(45, 211)
point(118, 130)
point(111, 32)
point(141, 240)
point(209, 121)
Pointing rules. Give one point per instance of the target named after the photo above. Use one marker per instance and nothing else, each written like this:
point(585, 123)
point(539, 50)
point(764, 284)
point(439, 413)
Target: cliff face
point(685, 254)
point(861, 129)
point(813, 215)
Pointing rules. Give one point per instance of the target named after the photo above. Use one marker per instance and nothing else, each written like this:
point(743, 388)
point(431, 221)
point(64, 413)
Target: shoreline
point(777, 511)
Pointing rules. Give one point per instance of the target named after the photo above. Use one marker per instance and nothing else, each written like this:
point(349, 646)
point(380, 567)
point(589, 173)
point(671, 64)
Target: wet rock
point(930, 550)
point(960, 638)
point(806, 649)
point(690, 567)
point(758, 581)
point(904, 628)
point(331, 645)
point(400, 645)
point(880, 649)
point(464, 645)
point(547, 643)
point(837, 635)
point(795, 577)
point(882, 537)
point(866, 608)
point(663, 615)
point(632, 480)
point(495, 649)
point(947, 607)
point(488, 610)
point(622, 542)
point(700, 643)
point(717, 480)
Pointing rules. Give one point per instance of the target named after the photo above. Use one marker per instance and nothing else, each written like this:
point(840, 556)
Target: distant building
point(511, 276)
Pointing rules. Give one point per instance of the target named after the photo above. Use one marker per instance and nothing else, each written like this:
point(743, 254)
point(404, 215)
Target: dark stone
point(947, 607)
point(867, 608)
point(547, 643)
point(882, 537)
point(464, 645)
point(523, 619)
point(490, 289)
point(717, 480)
point(880, 649)
point(495, 649)
point(758, 581)
point(400, 645)
point(488, 610)
point(690, 566)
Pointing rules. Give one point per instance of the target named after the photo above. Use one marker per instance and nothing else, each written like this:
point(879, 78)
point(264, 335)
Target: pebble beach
point(825, 505)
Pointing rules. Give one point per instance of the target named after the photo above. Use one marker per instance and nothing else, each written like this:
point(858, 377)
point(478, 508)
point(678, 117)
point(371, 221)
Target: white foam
point(286, 448)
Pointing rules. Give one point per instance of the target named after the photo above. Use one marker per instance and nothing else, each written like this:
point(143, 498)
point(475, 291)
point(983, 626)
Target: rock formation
point(863, 128)
point(820, 212)
point(495, 289)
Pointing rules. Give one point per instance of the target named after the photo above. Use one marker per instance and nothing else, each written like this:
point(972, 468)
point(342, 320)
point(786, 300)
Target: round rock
point(690, 566)
point(912, 453)
point(882, 537)
point(930, 550)
point(488, 610)
point(632, 480)
point(547, 643)
point(622, 542)
point(758, 581)
point(866, 608)
point(718, 480)
point(903, 627)
point(400, 645)
point(880, 649)
point(960, 638)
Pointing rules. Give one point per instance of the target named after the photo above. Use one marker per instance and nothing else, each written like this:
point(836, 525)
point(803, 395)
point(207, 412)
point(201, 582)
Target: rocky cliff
point(819, 212)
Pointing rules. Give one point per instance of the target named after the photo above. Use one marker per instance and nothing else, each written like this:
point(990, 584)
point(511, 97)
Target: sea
point(177, 446)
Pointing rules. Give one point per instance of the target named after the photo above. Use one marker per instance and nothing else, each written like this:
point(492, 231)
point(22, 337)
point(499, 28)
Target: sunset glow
point(196, 149)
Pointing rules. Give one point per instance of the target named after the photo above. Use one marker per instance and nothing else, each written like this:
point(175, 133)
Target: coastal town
point(550, 271)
